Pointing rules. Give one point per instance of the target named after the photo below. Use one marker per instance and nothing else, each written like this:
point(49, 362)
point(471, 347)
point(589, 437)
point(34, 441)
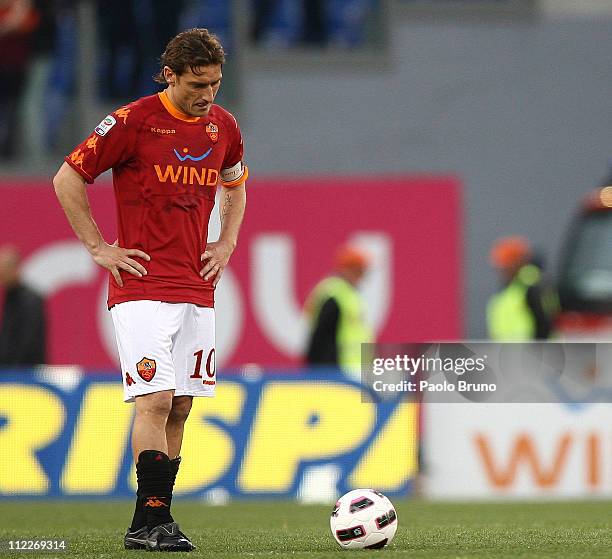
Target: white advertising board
point(533, 451)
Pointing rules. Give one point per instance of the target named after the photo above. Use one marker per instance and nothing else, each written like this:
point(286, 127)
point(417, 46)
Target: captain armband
point(234, 176)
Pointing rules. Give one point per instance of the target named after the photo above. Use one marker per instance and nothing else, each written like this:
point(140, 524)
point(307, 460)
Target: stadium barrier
point(305, 435)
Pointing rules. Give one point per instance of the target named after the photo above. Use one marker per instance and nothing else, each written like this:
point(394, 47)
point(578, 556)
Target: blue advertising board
point(284, 435)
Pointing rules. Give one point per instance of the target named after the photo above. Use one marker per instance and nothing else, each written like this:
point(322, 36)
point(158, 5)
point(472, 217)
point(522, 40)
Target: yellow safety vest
point(352, 328)
point(509, 317)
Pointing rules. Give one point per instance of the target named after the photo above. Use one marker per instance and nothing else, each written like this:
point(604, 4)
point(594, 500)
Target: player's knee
point(157, 403)
point(181, 406)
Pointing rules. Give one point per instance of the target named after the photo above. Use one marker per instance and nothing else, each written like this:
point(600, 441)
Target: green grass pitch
point(283, 529)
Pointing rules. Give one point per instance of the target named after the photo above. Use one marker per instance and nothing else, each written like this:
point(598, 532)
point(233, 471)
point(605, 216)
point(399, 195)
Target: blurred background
point(421, 131)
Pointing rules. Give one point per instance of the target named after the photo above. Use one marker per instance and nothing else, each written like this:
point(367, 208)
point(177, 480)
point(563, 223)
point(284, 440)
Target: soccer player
point(167, 153)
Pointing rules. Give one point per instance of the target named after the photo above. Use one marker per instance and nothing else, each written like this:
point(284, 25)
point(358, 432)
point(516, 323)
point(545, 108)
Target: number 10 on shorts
point(210, 366)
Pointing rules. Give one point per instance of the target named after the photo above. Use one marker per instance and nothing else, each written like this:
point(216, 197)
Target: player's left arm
point(217, 253)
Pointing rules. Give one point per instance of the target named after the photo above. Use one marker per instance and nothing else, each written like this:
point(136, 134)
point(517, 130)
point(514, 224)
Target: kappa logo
point(154, 502)
point(103, 128)
point(77, 157)
point(162, 130)
point(123, 113)
point(92, 142)
point(146, 368)
point(213, 132)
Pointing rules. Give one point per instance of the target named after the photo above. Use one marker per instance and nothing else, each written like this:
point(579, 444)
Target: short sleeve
point(109, 145)
point(233, 170)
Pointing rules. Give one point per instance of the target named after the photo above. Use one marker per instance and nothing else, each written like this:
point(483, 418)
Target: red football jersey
point(166, 166)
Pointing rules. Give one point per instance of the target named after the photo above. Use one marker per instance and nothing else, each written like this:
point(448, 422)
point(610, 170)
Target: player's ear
point(169, 75)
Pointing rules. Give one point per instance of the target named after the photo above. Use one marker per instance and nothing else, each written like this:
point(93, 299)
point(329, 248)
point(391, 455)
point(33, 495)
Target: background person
point(335, 312)
point(526, 305)
point(22, 316)
point(18, 21)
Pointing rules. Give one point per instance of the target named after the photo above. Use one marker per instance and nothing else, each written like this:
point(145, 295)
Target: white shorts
point(165, 346)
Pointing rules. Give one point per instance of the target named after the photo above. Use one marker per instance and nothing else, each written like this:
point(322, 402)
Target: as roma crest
point(213, 132)
point(146, 369)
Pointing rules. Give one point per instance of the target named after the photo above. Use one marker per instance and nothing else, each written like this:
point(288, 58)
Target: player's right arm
point(72, 195)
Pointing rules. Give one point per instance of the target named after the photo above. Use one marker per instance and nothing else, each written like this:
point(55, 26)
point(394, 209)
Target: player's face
point(194, 93)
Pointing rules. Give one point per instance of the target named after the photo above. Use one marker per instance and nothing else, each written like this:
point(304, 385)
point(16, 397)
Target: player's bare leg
point(149, 430)
point(175, 426)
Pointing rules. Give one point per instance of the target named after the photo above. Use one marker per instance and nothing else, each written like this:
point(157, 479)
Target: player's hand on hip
point(115, 258)
point(215, 259)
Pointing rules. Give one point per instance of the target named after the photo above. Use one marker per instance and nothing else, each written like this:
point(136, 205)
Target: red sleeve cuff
point(88, 178)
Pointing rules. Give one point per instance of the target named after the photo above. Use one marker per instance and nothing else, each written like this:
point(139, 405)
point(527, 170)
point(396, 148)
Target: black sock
point(140, 516)
point(174, 468)
point(154, 496)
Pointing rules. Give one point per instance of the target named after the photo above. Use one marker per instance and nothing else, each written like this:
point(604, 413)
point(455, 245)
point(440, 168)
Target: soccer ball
point(363, 519)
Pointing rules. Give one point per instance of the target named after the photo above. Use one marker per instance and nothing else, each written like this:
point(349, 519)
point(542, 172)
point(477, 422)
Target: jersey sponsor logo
point(191, 157)
point(213, 132)
point(185, 174)
point(146, 369)
point(106, 124)
point(163, 130)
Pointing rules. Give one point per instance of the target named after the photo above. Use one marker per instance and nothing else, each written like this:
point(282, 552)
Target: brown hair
point(190, 49)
